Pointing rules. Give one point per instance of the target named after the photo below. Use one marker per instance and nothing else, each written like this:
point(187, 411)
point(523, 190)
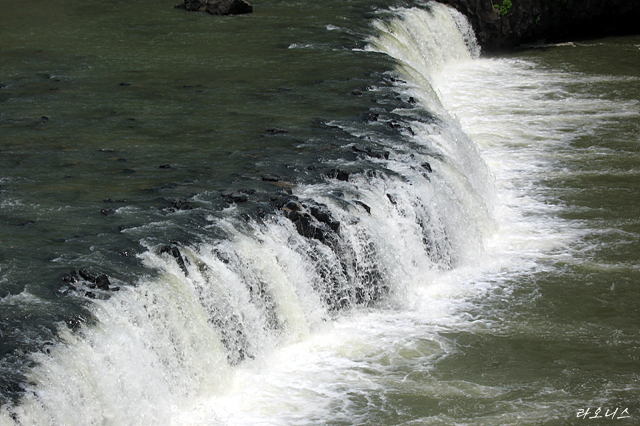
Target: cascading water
point(236, 329)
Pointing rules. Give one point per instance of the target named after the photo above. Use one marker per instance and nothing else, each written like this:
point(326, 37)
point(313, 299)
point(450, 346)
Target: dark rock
point(164, 166)
point(234, 196)
point(102, 281)
point(270, 178)
point(70, 278)
point(357, 92)
point(507, 24)
point(293, 206)
point(375, 153)
point(323, 216)
point(181, 204)
point(427, 167)
point(86, 275)
point(392, 199)
point(392, 125)
point(363, 205)
point(312, 221)
point(217, 7)
point(175, 252)
point(108, 212)
point(338, 174)
point(370, 117)
point(124, 84)
point(276, 131)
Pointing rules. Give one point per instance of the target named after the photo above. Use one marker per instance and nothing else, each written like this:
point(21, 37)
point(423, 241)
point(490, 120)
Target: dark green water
point(97, 95)
point(529, 326)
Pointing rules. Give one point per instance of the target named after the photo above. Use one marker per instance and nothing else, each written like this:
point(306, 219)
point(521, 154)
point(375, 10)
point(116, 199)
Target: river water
point(334, 213)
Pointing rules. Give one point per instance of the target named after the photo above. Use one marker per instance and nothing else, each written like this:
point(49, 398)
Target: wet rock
point(370, 117)
point(164, 166)
point(101, 281)
point(175, 252)
point(217, 7)
point(86, 275)
point(375, 153)
point(500, 25)
point(180, 204)
point(234, 196)
point(338, 174)
point(393, 125)
point(323, 216)
point(276, 131)
point(363, 205)
point(108, 212)
point(270, 178)
point(392, 199)
point(312, 221)
point(74, 322)
point(427, 167)
point(70, 277)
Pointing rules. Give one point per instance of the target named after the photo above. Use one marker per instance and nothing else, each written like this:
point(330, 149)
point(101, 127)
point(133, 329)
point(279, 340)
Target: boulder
point(217, 7)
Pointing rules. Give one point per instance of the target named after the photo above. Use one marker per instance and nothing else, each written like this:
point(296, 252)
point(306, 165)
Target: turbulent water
point(332, 213)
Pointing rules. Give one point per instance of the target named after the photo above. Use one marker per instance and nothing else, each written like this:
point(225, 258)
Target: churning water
point(347, 218)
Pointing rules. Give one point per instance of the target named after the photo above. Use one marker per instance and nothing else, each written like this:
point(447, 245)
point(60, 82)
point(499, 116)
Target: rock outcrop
point(501, 24)
point(217, 7)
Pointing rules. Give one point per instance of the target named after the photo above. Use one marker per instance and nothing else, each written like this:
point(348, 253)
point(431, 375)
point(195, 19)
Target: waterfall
point(411, 203)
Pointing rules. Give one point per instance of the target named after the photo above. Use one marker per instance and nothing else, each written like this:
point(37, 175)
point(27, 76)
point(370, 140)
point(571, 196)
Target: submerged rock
point(217, 7)
point(276, 131)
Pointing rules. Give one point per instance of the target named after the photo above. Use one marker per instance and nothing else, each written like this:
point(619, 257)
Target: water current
point(321, 213)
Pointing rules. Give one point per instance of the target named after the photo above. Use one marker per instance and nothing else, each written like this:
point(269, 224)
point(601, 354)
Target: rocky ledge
point(503, 24)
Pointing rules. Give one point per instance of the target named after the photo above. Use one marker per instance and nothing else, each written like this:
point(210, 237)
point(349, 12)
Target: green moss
point(505, 7)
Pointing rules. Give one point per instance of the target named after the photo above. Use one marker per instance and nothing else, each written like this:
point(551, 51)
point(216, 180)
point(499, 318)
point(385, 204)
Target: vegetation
point(505, 7)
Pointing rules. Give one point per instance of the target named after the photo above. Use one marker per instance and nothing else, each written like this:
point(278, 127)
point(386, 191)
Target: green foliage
point(505, 7)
